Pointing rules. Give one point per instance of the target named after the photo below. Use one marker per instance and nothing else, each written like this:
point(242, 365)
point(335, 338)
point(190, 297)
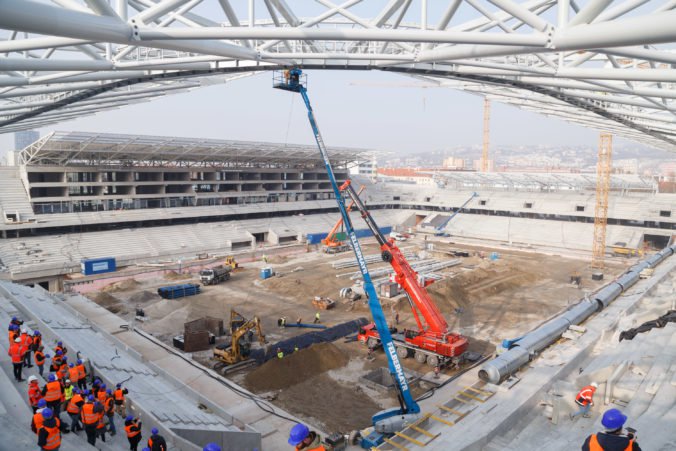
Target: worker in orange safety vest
point(615, 437)
point(26, 348)
point(82, 374)
point(585, 399)
point(53, 393)
point(118, 395)
point(90, 415)
point(74, 408)
point(17, 358)
point(34, 392)
point(302, 438)
point(49, 436)
point(133, 429)
point(36, 421)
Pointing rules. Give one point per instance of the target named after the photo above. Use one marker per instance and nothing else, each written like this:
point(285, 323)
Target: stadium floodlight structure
point(602, 64)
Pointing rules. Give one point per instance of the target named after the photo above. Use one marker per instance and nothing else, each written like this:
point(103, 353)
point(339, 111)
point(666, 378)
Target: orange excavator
point(332, 244)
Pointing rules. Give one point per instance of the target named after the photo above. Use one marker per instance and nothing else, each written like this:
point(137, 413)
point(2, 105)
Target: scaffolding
point(603, 168)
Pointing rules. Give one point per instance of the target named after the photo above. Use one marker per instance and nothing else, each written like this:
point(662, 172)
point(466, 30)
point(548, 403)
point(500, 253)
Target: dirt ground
point(483, 299)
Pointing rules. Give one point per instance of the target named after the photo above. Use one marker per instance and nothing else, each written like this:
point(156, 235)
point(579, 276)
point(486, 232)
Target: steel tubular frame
point(602, 65)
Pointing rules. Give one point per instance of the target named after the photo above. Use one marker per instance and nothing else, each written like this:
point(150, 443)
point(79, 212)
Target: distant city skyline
point(403, 120)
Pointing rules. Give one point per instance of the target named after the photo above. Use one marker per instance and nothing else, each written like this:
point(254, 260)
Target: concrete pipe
point(607, 295)
point(503, 365)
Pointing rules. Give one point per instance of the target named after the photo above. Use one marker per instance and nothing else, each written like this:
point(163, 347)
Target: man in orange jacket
point(34, 392)
point(17, 358)
point(26, 347)
point(302, 438)
point(49, 436)
point(73, 408)
point(53, 393)
point(585, 399)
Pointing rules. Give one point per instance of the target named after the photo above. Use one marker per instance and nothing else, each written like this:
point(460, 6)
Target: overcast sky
point(351, 108)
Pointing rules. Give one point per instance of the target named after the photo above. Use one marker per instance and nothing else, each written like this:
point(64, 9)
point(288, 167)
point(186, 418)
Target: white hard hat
point(17, 340)
point(595, 385)
point(24, 330)
point(32, 378)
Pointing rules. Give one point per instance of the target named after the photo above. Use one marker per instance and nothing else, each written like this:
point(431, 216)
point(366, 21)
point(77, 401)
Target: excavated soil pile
point(123, 285)
point(173, 275)
point(143, 296)
point(469, 287)
point(295, 368)
point(107, 301)
point(336, 406)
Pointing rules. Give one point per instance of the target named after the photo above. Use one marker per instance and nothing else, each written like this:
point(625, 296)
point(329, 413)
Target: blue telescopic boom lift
point(390, 420)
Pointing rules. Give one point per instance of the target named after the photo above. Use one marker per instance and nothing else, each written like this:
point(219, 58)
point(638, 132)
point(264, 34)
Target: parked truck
point(215, 275)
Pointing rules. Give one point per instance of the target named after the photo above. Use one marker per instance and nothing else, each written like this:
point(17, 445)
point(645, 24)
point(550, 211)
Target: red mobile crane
point(432, 342)
point(332, 245)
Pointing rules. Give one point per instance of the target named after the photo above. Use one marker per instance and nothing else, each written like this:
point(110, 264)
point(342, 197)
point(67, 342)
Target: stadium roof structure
point(69, 148)
point(597, 63)
point(536, 181)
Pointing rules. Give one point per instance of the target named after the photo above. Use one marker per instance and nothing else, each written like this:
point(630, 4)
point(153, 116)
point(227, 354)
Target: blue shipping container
point(97, 265)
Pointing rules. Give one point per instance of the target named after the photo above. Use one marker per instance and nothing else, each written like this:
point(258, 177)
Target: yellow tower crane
point(486, 142)
point(603, 167)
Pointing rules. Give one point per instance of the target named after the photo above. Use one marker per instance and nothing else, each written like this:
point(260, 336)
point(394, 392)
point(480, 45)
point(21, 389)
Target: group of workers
point(66, 389)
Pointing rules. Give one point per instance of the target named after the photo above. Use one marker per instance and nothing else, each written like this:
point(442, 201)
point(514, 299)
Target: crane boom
point(389, 420)
point(441, 226)
point(331, 237)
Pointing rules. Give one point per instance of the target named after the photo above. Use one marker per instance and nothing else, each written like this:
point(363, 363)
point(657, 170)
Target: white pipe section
point(523, 14)
point(333, 34)
point(589, 12)
point(51, 65)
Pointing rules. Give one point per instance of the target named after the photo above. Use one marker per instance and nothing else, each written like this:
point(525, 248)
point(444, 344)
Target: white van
point(397, 236)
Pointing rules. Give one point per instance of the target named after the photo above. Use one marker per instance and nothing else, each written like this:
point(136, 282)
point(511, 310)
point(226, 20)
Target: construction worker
point(101, 394)
point(282, 321)
point(40, 359)
point(396, 318)
point(317, 318)
point(73, 374)
point(74, 408)
point(34, 392)
point(585, 400)
point(156, 442)
point(82, 375)
point(295, 348)
point(53, 393)
point(614, 436)
point(96, 385)
point(17, 359)
point(62, 372)
point(26, 347)
point(90, 414)
point(36, 421)
point(101, 427)
point(12, 333)
point(60, 347)
point(133, 429)
point(56, 362)
point(118, 396)
point(67, 393)
point(303, 438)
point(37, 340)
point(49, 435)
point(280, 353)
point(109, 410)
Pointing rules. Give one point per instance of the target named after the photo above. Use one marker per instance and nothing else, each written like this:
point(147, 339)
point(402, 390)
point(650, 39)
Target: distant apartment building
point(476, 165)
point(25, 138)
point(368, 168)
point(454, 163)
point(626, 166)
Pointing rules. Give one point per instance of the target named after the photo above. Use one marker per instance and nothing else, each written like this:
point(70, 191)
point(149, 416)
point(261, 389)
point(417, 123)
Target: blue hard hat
point(613, 419)
point(42, 403)
point(298, 433)
point(59, 344)
point(129, 418)
point(14, 318)
point(154, 431)
point(36, 332)
point(103, 386)
point(211, 447)
point(51, 378)
point(90, 397)
point(47, 413)
point(118, 385)
point(59, 353)
point(79, 361)
point(71, 365)
point(109, 391)
point(48, 356)
point(76, 390)
point(145, 449)
point(65, 359)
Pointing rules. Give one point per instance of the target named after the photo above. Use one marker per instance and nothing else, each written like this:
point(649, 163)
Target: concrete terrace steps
point(16, 414)
point(14, 197)
point(163, 401)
